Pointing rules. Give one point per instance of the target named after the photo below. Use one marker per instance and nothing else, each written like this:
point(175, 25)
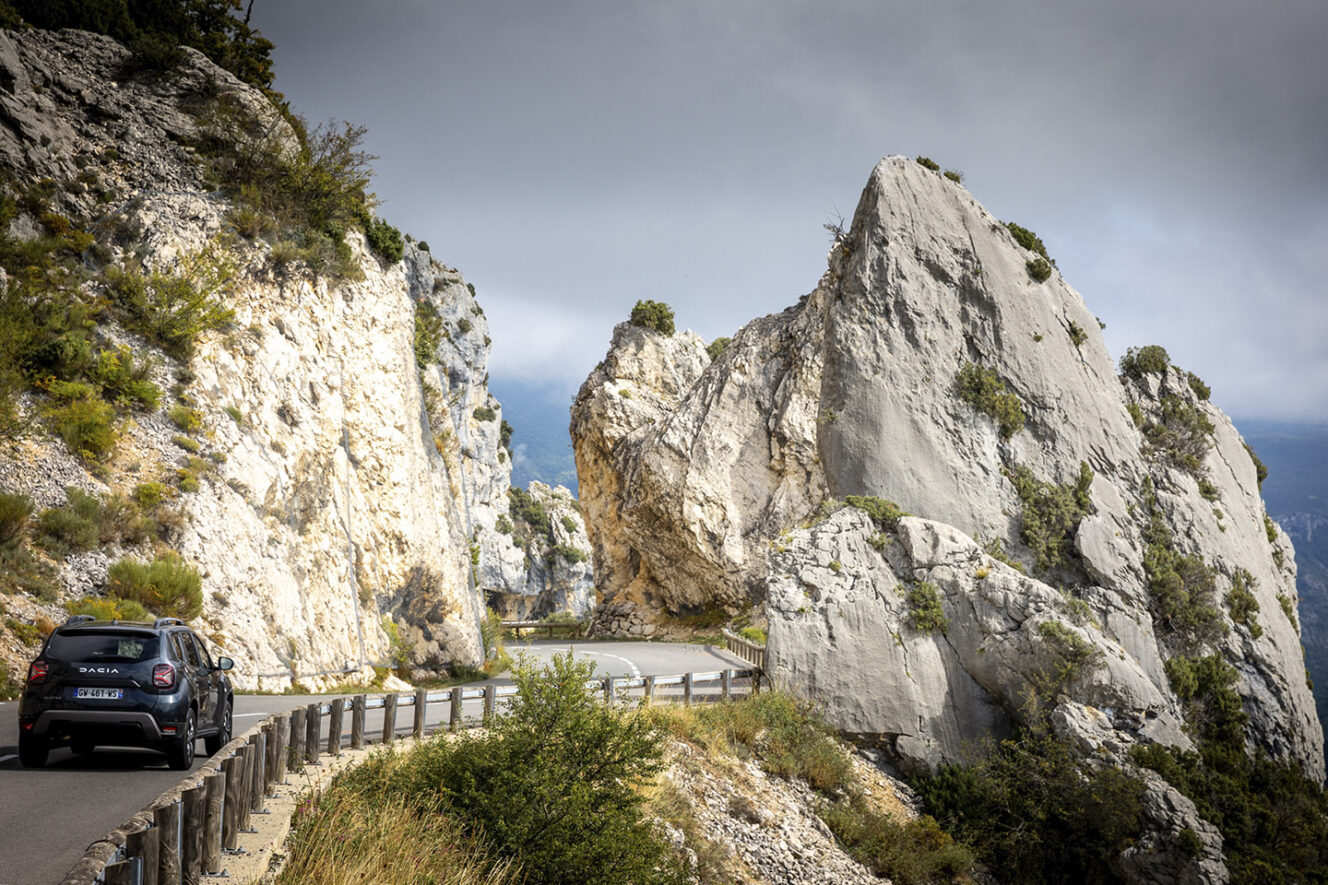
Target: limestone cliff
point(321, 468)
point(943, 364)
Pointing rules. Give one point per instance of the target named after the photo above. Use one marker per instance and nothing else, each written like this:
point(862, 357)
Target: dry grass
point(343, 839)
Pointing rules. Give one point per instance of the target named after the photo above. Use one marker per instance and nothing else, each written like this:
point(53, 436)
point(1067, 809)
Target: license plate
point(105, 694)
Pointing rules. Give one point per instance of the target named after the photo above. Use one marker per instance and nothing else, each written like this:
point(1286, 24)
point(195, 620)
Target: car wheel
point(181, 752)
point(32, 750)
point(214, 743)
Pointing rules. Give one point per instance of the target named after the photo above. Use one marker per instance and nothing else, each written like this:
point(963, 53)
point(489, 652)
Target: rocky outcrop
point(334, 482)
point(944, 366)
point(534, 561)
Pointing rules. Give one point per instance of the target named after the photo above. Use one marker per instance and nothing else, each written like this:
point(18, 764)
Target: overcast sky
point(572, 157)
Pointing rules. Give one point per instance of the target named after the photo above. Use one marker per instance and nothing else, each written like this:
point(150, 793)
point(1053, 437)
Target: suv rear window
point(108, 646)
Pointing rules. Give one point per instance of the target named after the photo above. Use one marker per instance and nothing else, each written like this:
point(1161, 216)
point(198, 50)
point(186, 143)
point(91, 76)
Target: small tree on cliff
point(653, 315)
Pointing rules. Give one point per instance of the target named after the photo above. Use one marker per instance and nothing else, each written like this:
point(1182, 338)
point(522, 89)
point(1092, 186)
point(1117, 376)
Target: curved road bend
point(48, 816)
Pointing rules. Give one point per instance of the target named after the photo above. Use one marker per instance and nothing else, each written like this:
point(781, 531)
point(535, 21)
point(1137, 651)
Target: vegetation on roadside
point(653, 315)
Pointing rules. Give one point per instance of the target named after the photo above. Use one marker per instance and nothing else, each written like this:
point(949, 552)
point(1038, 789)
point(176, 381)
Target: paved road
point(49, 816)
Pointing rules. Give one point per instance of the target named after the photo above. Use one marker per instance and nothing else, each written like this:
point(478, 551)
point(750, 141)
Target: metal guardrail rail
point(183, 835)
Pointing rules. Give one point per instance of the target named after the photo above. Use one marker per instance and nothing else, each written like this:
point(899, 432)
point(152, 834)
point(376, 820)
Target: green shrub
point(568, 554)
point(1034, 811)
point(925, 613)
point(484, 413)
point(150, 494)
point(1242, 605)
point(1029, 240)
point(235, 415)
point(125, 381)
point(193, 447)
point(1260, 469)
point(1207, 490)
point(505, 432)
point(87, 426)
point(1182, 436)
point(10, 688)
point(1136, 414)
point(166, 585)
point(1289, 609)
point(1039, 270)
point(955, 175)
point(885, 513)
point(753, 634)
point(109, 609)
point(653, 315)
point(718, 346)
point(503, 525)
point(1151, 359)
point(1270, 529)
point(526, 509)
point(1077, 334)
point(1201, 390)
point(14, 513)
point(153, 53)
point(569, 525)
point(384, 239)
point(984, 390)
point(929, 163)
point(1051, 513)
point(1073, 655)
point(74, 526)
point(464, 325)
point(1181, 588)
point(185, 418)
point(428, 333)
point(554, 783)
point(175, 309)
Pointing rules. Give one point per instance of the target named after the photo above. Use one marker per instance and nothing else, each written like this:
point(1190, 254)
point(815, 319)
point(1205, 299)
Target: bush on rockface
point(166, 586)
point(1035, 812)
point(1029, 240)
point(983, 389)
point(14, 513)
point(1151, 359)
point(175, 309)
point(1051, 513)
point(653, 315)
point(1181, 588)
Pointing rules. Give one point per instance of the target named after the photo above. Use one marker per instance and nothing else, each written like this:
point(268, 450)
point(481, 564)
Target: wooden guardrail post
point(258, 762)
point(194, 810)
point(454, 713)
point(282, 726)
point(357, 722)
point(167, 819)
point(389, 718)
point(143, 844)
point(313, 724)
point(271, 749)
point(421, 707)
point(649, 690)
point(216, 798)
point(126, 872)
point(233, 769)
point(490, 697)
point(687, 690)
point(246, 756)
point(726, 683)
point(334, 726)
point(295, 756)
point(607, 685)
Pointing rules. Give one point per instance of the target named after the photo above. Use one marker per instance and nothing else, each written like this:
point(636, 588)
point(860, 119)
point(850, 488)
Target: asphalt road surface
point(49, 816)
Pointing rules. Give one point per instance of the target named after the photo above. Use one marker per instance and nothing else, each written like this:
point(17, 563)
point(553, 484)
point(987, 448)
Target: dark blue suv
point(117, 683)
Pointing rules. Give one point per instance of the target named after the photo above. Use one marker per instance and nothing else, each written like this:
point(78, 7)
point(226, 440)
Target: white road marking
point(636, 671)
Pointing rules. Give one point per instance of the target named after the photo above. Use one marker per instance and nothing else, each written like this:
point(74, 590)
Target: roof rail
point(168, 622)
point(79, 619)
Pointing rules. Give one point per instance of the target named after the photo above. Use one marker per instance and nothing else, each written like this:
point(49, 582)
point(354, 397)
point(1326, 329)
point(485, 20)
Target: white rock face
point(344, 483)
point(692, 474)
point(530, 572)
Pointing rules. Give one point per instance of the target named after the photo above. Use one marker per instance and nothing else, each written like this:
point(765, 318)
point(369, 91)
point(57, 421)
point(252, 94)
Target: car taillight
point(163, 676)
point(37, 672)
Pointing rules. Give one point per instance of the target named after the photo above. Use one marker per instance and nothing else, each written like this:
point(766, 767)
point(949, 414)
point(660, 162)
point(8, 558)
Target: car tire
point(32, 750)
point(181, 752)
point(213, 743)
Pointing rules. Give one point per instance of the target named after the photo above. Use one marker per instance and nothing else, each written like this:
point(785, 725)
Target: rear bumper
point(65, 721)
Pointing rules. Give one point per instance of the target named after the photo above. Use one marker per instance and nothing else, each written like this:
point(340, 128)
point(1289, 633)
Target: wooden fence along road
point(183, 835)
